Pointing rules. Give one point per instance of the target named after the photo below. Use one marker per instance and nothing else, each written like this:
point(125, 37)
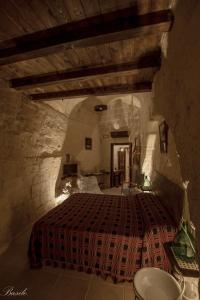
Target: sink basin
point(156, 284)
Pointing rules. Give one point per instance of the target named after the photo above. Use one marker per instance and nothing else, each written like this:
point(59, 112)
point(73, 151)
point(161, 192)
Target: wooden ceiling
point(53, 49)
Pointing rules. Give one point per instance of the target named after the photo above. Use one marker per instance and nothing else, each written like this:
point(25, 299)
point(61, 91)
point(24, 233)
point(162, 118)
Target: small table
point(186, 269)
point(191, 276)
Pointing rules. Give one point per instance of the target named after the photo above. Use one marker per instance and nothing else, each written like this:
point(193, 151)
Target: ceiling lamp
point(100, 107)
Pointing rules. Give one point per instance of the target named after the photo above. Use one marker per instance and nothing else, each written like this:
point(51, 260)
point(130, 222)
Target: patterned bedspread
point(103, 234)
point(159, 229)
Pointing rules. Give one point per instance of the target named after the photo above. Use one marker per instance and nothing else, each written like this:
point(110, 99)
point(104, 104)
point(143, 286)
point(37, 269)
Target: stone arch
point(122, 110)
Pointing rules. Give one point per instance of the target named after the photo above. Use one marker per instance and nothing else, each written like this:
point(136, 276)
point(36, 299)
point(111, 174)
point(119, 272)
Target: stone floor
point(49, 283)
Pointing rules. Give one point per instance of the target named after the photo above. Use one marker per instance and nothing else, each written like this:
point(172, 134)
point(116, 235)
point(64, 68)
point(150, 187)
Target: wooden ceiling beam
point(109, 27)
point(152, 60)
point(139, 87)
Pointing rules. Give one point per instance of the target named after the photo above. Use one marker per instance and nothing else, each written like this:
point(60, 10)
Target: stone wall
point(83, 122)
point(167, 164)
point(166, 176)
point(31, 140)
point(177, 95)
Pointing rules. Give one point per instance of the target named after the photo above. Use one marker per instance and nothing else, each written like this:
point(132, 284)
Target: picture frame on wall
point(88, 143)
point(137, 151)
point(163, 131)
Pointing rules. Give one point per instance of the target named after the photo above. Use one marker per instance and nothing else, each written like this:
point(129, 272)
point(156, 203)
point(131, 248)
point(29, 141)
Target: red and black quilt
point(103, 234)
point(159, 229)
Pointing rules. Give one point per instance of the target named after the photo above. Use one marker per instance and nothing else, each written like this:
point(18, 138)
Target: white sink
point(156, 284)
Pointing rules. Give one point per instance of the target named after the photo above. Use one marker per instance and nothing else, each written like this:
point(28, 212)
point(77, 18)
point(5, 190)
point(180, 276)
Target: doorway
point(121, 157)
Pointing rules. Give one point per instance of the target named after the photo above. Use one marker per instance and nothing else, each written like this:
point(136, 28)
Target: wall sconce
point(163, 130)
point(100, 107)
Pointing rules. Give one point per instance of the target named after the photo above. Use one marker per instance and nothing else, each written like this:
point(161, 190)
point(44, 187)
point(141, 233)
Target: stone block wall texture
point(167, 178)
point(31, 141)
point(177, 96)
point(168, 163)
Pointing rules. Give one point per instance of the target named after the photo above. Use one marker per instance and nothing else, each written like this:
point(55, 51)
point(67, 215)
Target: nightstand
point(188, 271)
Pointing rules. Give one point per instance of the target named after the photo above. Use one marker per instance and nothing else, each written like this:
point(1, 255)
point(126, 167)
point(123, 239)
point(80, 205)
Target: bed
point(103, 234)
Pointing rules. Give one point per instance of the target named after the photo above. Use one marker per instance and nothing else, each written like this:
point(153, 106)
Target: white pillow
point(88, 184)
point(82, 183)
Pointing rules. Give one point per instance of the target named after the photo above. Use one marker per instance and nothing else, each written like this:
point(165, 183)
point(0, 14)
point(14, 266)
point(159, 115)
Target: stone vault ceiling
point(121, 115)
